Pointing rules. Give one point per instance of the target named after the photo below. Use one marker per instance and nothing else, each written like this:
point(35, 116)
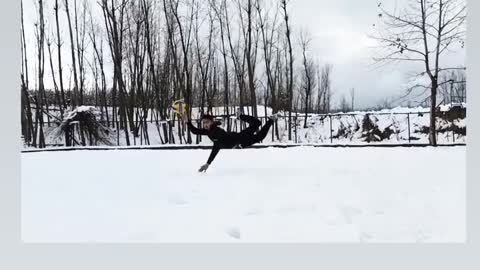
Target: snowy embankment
point(300, 194)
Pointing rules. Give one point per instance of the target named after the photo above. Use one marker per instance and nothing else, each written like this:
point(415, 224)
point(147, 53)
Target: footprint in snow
point(365, 237)
point(349, 212)
point(421, 236)
point(234, 232)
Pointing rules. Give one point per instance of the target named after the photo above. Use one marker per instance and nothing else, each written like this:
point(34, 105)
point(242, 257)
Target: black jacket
point(221, 138)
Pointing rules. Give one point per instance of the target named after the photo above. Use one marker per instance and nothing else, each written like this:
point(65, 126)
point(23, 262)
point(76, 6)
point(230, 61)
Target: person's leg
point(253, 122)
point(253, 125)
point(249, 140)
point(263, 131)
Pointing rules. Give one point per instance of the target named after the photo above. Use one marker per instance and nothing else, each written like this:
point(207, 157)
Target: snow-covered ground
point(301, 194)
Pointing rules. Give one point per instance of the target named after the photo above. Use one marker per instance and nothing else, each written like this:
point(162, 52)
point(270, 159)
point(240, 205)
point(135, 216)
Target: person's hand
point(203, 168)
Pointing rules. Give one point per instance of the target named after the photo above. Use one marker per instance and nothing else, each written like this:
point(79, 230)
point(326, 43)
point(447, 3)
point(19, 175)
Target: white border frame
point(15, 255)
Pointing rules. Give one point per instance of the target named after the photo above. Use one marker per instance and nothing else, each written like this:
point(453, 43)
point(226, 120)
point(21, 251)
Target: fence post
point(273, 131)
point(295, 122)
point(118, 132)
point(409, 137)
point(331, 129)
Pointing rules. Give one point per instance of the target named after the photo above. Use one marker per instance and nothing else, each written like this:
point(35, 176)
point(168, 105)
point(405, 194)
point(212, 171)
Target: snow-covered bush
point(81, 126)
point(371, 132)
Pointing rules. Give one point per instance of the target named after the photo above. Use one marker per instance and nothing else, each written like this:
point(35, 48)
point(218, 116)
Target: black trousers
point(251, 134)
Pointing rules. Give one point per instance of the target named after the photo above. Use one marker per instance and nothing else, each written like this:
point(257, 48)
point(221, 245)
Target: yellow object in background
point(179, 107)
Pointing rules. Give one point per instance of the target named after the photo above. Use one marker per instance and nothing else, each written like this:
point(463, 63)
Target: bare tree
point(268, 31)
point(75, 100)
point(203, 65)
point(57, 92)
point(422, 32)
point(238, 64)
point(251, 56)
point(308, 78)
point(26, 110)
point(59, 56)
point(454, 90)
point(98, 50)
point(40, 98)
point(290, 67)
point(221, 20)
point(114, 16)
point(324, 89)
point(344, 107)
point(80, 38)
point(185, 30)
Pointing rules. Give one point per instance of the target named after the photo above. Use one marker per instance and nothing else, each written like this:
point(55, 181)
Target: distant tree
point(382, 104)
point(352, 96)
point(454, 88)
point(40, 99)
point(308, 74)
point(289, 66)
point(59, 56)
point(75, 100)
point(26, 110)
point(114, 17)
point(344, 106)
point(324, 93)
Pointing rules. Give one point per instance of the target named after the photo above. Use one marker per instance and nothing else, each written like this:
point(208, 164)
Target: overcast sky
point(339, 32)
point(339, 29)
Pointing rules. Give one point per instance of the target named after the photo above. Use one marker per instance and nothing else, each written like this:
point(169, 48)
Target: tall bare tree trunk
point(59, 55)
point(26, 111)
point(75, 98)
point(113, 18)
point(41, 69)
point(290, 77)
point(57, 93)
point(250, 64)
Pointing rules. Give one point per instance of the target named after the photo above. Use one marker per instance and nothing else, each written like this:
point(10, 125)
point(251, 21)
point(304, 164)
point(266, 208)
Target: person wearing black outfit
point(227, 140)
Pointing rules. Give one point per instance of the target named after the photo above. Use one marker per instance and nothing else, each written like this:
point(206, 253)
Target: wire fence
point(344, 128)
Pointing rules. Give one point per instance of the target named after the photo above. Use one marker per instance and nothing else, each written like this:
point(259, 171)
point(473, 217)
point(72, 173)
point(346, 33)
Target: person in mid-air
point(228, 140)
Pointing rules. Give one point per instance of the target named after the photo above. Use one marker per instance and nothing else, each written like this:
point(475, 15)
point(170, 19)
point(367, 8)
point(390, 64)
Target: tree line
point(131, 58)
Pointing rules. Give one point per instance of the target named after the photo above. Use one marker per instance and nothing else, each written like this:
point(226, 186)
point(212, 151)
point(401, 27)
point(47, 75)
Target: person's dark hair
point(207, 116)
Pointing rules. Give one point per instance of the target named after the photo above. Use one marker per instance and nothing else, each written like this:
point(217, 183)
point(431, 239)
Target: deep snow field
point(302, 194)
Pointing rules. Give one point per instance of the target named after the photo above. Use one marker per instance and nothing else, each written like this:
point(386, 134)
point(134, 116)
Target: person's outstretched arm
point(213, 154)
point(196, 131)
point(192, 128)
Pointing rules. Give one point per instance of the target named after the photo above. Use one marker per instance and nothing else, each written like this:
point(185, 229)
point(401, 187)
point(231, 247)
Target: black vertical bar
point(295, 119)
point(331, 129)
point(273, 131)
point(409, 137)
